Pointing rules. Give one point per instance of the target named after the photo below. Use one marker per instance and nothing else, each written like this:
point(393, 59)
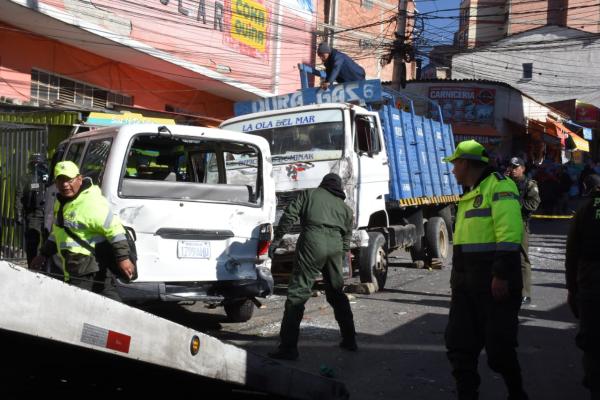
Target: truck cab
point(389, 159)
point(311, 141)
point(200, 202)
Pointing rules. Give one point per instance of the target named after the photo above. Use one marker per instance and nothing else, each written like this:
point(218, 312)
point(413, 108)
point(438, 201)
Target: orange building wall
point(148, 90)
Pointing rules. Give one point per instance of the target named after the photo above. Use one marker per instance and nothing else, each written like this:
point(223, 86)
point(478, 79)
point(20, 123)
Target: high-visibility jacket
point(488, 234)
point(90, 217)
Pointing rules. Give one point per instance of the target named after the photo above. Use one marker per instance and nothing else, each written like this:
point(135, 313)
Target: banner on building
point(586, 113)
point(249, 26)
point(465, 104)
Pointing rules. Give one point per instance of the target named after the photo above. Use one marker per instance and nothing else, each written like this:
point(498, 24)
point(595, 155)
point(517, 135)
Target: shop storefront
point(555, 142)
point(493, 113)
point(487, 135)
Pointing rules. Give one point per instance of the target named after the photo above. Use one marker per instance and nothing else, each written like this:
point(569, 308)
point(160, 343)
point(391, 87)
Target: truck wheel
point(239, 310)
point(374, 262)
point(438, 241)
point(446, 214)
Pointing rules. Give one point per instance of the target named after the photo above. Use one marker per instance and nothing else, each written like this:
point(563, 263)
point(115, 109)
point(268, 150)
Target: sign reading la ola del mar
point(246, 24)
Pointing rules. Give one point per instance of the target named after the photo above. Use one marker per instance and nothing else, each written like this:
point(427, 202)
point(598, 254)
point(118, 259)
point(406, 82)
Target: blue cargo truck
point(389, 158)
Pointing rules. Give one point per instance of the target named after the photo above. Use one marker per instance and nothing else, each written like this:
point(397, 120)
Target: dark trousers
point(477, 321)
point(34, 237)
point(587, 340)
point(525, 263)
point(101, 282)
point(313, 258)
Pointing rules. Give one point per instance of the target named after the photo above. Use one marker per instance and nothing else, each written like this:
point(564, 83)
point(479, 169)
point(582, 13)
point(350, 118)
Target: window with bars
point(47, 88)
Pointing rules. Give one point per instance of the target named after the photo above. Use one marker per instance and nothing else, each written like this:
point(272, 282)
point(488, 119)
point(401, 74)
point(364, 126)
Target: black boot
point(284, 353)
point(349, 344)
point(518, 396)
point(468, 395)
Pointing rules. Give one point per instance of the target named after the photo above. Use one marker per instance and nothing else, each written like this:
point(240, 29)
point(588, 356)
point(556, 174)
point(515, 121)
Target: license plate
point(193, 249)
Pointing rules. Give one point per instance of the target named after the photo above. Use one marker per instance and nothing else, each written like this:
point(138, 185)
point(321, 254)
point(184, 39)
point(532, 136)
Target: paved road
point(400, 332)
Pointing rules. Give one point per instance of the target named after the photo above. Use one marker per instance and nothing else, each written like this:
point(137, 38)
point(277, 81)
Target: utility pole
point(399, 74)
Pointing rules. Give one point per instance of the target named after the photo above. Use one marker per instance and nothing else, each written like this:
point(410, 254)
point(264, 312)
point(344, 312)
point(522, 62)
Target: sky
point(438, 30)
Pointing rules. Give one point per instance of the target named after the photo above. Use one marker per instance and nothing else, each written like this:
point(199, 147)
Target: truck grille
point(283, 200)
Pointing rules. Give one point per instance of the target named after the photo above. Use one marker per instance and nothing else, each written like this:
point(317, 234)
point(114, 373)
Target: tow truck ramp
point(43, 318)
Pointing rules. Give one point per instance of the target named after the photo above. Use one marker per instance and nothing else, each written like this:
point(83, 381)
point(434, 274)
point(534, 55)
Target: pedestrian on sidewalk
point(339, 67)
point(582, 267)
point(84, 230)
point(529, 199)
point(486, 278)
point(564, 186)
point(326, 223)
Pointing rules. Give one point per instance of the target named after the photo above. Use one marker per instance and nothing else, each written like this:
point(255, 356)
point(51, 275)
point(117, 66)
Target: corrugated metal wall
point(17, 143)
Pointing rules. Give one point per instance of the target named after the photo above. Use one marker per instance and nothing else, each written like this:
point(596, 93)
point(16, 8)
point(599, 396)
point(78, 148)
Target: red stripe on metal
point(118, 341)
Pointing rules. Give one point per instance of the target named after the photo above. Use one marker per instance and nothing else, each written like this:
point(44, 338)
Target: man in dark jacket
point(324, 241)
point(84, 225)
point(582, 266)
point(529, 198)
point(30, 204)
point(339, 67)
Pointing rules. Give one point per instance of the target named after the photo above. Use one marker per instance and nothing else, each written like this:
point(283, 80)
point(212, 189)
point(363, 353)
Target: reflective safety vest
point(488, 218)
point(90, 217)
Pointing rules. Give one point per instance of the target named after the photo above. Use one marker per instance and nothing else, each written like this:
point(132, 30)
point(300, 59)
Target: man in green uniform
point(84, 222)
point(324, 241)
point(30, 204)
point(486, 276)
point(529, 198)
point(582, 266)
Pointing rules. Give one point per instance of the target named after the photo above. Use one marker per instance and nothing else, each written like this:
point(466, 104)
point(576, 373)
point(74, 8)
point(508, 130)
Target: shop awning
point(579, 143)
point(560, 131)
point(108, 119)
point(64, 118)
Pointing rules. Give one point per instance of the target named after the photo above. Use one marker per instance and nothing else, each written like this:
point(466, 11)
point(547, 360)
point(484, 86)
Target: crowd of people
point(560, 185)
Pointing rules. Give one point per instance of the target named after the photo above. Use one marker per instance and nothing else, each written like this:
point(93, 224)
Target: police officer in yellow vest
point(486, 274)
point(83, 220)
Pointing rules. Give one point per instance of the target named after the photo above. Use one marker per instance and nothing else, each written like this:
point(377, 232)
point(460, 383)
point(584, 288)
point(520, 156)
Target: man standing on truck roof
point(529, 198)
point(486, 276)
point(84, 231)
point(326, 223)
point(339, 66)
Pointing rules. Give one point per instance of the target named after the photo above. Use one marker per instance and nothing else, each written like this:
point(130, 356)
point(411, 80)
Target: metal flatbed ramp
point(105, 346)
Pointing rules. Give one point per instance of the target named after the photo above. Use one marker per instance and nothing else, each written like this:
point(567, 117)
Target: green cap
point(66, 168)
point(469, 150)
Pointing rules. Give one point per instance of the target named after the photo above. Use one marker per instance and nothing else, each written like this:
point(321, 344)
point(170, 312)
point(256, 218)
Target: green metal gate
point(17, 143)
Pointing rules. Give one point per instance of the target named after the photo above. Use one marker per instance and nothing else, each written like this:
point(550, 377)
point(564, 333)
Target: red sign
point(118, 341)
point(586, 112)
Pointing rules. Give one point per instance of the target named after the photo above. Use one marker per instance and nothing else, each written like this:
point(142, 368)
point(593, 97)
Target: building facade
point(486, 21)
point(193, 57)
point(550, 64)
point(505, 120)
